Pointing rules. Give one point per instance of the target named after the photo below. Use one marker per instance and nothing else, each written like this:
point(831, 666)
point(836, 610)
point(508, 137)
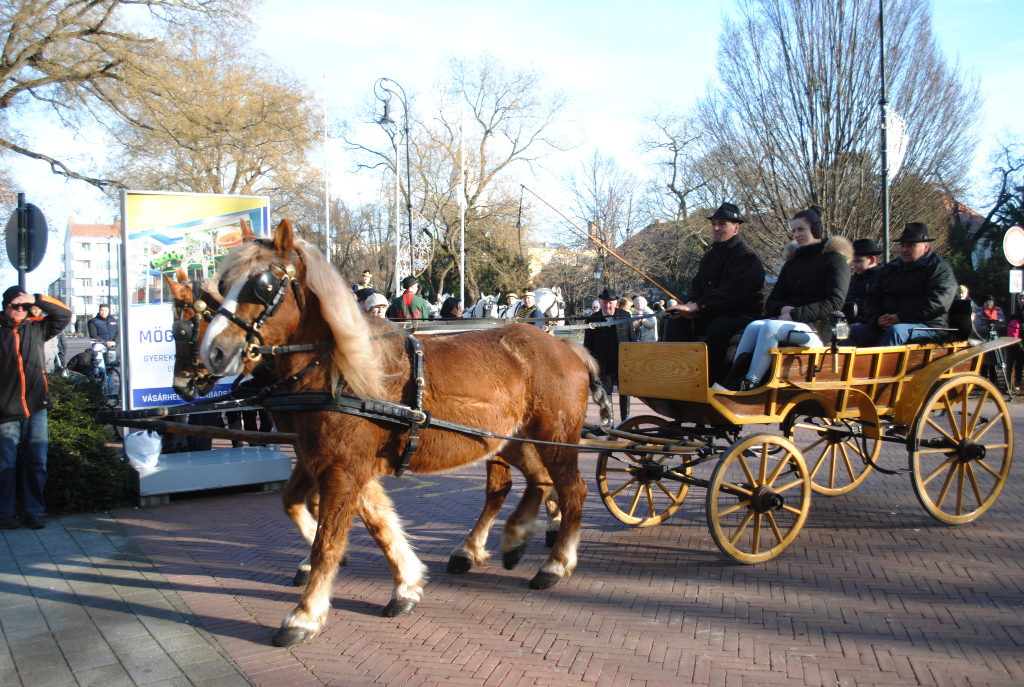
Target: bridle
point(271, 291)
point(187, 332)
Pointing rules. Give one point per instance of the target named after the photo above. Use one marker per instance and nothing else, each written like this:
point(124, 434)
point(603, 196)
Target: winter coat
point(858, 291)
point(23, 387)
point(103, 328)
point(729, 281)
point(416, 309)
point(814, 279)
point(918, 292)
point(647, 330)
point(983, 324)
point(603, 342)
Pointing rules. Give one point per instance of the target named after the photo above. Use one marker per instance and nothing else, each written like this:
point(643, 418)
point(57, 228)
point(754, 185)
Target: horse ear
point(247, 233)
point(182, 275)
point(179, 290)
point(284, 239)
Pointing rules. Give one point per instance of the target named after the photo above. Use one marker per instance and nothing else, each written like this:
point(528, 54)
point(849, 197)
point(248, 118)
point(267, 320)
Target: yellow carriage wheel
point(837, 461)
point(964, 440)
point(758, 498)
point(634, 495)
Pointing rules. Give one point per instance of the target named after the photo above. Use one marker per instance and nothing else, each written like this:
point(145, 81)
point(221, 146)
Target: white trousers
point(761, 336)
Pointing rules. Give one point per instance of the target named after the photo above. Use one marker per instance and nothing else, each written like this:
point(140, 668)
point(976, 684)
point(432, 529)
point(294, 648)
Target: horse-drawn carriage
point(821, 421)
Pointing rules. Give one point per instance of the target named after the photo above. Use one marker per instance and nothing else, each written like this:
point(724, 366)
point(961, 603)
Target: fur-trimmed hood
point(836, 244)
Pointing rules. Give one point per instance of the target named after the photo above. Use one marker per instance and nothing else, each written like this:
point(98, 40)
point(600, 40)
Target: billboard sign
point(162, 232)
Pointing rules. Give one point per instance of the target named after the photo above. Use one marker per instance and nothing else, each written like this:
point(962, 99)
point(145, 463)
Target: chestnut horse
point(191, 378)
point(541, 394)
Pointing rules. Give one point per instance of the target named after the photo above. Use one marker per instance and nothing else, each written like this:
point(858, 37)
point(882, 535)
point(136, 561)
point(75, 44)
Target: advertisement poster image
point(164, 232)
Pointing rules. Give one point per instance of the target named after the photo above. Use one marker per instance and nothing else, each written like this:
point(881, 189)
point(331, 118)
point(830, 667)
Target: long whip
point(602, 245)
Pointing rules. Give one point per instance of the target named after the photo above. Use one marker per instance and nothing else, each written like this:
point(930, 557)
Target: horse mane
point(360, 355)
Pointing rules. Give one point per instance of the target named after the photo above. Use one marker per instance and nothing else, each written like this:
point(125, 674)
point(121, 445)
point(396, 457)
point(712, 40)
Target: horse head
point(282, 291)
point(194, 305)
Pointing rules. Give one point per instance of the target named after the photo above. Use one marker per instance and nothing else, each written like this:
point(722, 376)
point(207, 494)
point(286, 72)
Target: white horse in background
point(487, 306)
point(549, 301)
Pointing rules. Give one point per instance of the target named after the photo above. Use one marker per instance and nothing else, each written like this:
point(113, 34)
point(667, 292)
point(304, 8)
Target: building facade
point(90, 268)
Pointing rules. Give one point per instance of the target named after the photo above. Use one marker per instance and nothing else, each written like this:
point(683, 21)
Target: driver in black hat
point(727, 292)
point(865, 273)
point(911, 292)
point(603, 343)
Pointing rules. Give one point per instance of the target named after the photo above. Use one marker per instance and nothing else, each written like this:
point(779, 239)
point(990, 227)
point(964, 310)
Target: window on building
point(86, 300)
point(86, 246)
point(86, 264)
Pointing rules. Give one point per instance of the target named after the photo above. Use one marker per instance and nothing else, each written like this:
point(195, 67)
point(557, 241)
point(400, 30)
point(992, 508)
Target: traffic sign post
point(1016, 281)
point(26, 239)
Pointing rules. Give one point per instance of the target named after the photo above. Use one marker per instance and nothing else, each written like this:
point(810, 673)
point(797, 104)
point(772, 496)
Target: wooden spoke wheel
point(837, 460)
point(640, 496)
point(757, 504)
point(964, 440)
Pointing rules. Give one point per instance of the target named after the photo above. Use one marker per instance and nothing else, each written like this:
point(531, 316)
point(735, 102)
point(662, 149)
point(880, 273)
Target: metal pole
point(327, 182)
point(408, 186)
point(398, 210)
point(22, 242)
point(883, 103)
point(462, 203)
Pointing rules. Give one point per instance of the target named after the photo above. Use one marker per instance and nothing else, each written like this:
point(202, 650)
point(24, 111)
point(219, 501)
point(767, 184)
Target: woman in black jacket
point(812, 285)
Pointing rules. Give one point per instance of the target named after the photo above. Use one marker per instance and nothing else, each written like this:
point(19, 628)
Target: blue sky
point(615, 59)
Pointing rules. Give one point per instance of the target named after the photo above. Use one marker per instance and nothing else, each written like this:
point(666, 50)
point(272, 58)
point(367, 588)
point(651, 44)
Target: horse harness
point(187, 332)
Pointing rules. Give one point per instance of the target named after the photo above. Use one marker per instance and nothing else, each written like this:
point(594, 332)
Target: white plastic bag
point(142, 449)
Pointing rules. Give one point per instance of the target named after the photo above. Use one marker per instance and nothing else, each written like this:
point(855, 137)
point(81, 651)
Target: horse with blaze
point(534, 387)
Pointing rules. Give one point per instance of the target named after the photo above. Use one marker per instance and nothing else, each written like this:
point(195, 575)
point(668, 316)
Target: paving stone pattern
point(873, 592)
point(81, 604)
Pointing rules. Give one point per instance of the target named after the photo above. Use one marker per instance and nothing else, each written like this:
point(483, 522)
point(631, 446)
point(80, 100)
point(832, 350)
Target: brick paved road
point(873, 592)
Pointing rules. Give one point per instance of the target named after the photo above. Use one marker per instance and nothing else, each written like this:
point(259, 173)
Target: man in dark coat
point(603, 343)
point(913, 291)
point(726, 291)
point(103, 327)
point(865, 273)
point(24, 400)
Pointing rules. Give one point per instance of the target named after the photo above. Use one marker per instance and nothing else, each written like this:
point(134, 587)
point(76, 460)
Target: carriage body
point(822, 418)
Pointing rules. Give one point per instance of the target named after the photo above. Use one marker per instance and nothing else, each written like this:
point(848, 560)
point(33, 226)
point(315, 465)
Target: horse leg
point(294, 498)
point(522, 524)
point(572, 490)
point(378, 514)
point(473, 549)
point(554, 518)
point(339, 499)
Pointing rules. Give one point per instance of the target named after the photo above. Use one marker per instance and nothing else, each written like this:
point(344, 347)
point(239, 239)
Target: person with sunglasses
point(24, 400)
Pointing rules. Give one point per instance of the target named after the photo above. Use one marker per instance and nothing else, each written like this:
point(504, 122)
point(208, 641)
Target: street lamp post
point(383, 90)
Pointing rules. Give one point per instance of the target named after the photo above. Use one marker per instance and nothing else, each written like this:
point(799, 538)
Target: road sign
point(1013, 246)
point(1016, 281)
point(35, 237)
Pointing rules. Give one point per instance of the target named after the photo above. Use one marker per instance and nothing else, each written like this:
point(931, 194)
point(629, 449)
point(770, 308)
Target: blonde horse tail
point(601, 397)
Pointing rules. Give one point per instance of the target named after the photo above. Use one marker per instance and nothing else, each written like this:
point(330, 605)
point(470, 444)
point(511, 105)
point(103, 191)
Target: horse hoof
point(459, 564)
point(512, 558)
point(544, 580)
point(301, 578)
point(550, 537)
point(397, 607)
point(290, 636)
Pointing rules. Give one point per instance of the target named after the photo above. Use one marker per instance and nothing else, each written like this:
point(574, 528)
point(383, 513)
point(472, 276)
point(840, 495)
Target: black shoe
point(34, 522)
point(748, 385)
point(740, 367)
point(9, 523)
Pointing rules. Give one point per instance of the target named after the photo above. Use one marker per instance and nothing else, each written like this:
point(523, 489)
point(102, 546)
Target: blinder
point(187, 332)
point(270, 291)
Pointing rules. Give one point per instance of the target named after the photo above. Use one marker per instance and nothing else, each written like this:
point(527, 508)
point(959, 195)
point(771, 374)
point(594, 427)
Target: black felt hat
point(608, 295)
point(866, 247)
point(914, 232)
point(409, 281)
point(728, 211)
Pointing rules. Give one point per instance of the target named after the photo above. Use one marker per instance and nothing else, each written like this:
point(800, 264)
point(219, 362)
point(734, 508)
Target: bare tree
point(672, 143)
point(512, 120)
point(72, 56)
point(605, 197)
point(794, 118)
point(214, 118)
